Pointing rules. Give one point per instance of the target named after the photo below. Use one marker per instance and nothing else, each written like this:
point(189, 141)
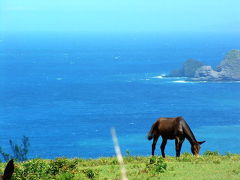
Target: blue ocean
point(66, 91)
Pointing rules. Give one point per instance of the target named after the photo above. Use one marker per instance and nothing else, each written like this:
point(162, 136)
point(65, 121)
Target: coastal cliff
point(227, 70)
point(188, 69)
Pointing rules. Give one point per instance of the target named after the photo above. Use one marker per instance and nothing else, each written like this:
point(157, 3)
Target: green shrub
point(114, 161)
point(33, 169)
point(217, 161)
point(185, 157)
point(61, 165)
point(152, 160)
point(211, 153)
point(90, 173)
point(60, 168)
point(157, 165)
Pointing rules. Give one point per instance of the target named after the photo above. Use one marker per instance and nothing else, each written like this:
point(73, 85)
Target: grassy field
point(207, 167)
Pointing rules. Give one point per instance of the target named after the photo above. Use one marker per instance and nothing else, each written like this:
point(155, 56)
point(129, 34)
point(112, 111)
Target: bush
point(114, 161)
point(60, 168)
point(211, 153)
point(157, 165)
point(186, 157)
point(61, 165)
point(90, 173)
point(33, 169)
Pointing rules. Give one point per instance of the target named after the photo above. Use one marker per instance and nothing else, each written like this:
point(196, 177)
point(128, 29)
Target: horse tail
point(151, 132)
point(9, 170)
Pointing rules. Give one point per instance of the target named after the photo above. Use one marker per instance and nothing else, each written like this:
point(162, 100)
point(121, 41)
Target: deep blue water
point(65, 92)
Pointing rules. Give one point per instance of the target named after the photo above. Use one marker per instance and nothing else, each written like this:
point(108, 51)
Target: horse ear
point(201, 142)
point(9, 170)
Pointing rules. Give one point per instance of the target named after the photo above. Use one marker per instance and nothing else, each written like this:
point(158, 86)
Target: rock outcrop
point(188, 69)
point(228, 70)
point(230, 66)
point(206, 73)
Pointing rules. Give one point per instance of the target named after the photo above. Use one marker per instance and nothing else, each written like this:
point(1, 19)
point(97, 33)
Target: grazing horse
point(173, 128)
point(8, 171)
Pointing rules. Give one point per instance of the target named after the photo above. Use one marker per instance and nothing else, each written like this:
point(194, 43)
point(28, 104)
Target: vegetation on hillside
point(210, 166)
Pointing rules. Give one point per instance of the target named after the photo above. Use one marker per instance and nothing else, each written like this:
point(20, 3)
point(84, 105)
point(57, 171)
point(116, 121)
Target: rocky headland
point(227, 70)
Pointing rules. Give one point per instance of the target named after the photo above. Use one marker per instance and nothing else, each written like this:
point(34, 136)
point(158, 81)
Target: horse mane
point(187, 131)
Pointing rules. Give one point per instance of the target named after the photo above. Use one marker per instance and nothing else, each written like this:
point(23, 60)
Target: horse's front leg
point(178, 144)
point(164, 142)
point(154, 144)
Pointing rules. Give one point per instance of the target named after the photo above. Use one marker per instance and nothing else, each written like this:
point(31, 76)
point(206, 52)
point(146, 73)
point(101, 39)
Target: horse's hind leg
point(164, 142)
point(154, 144)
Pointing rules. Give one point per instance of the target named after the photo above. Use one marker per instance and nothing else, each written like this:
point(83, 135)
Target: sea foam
point(160, 76)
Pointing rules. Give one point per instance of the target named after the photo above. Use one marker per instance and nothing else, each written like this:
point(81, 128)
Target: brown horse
point(8, 171)
point(173, 128)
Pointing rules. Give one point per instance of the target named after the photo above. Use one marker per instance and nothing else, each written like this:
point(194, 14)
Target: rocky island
point(227, 70)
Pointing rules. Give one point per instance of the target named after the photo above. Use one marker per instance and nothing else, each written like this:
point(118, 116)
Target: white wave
point(183, 81)
point(180, 81)
point(158, 77)
point(214, 81)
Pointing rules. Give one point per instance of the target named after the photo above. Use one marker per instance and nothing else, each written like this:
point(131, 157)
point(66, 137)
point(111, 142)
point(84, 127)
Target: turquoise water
point(65, 92)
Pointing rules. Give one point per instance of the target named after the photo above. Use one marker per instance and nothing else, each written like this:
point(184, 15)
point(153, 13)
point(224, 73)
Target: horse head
point(196, 147)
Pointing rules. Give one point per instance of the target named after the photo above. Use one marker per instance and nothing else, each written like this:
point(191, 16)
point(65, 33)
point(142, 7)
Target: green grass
point(210, 166)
